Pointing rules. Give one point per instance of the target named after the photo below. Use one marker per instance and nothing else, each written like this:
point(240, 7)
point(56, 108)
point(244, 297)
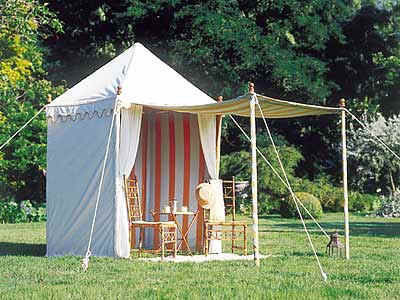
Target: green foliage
point(331, 197)
point(270, 188)
point(23, 90)
point(376, 168)
point(310, 51)
point(12, 212)
point(288, 207)
point(363, 202)
point(390, 206)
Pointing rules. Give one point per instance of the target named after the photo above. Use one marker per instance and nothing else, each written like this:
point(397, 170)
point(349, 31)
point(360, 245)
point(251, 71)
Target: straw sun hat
point(204, 193)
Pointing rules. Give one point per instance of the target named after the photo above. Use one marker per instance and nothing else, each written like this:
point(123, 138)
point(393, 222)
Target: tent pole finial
point(251, 88)
point(119, 90)
point(49, 98)
point(342, 104)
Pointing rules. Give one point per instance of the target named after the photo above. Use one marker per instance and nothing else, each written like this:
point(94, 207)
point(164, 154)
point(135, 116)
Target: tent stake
point(342, 104)
point(254, 174)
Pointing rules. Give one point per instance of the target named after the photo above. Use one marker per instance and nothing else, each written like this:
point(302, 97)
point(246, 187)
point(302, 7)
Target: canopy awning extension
point(272, 108)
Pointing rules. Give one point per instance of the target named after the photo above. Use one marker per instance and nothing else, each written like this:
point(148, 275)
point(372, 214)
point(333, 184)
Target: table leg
point(182, 235)
point(188, 230)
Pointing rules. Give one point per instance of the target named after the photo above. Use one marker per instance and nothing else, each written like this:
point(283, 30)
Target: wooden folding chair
point(234, 231)
point(167, 230)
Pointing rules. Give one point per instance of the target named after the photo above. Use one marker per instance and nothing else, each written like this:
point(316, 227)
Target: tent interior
point(169, 165)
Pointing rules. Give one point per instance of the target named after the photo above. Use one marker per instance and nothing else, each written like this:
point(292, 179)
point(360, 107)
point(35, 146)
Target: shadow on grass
point(21, 249)
point(378, 229)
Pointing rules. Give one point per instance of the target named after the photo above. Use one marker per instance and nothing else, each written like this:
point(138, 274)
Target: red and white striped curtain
point(170, 164)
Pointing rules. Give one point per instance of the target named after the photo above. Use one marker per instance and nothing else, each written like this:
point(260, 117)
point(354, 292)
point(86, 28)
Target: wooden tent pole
point(342, 104)
point(254, 174)
point(218, 142)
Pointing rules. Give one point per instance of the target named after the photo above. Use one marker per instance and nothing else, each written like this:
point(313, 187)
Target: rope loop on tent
point(85, 260)
point(19, 130)
point(372, 134)
point(280, 178)
point(323, 274)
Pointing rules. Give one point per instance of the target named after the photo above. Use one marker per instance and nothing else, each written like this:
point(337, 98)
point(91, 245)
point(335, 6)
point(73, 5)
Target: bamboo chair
point(167, 230)
point(233, 230)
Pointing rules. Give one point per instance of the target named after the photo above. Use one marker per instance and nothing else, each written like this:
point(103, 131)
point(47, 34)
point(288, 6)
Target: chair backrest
point(230, 197)
point(133, 199)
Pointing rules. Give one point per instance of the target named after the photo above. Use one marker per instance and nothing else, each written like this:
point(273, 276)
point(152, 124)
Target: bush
point(11, 212)
point(363, 202)
point(288, 207)
point(390, 206)
point(270, 188)
point(330, 197)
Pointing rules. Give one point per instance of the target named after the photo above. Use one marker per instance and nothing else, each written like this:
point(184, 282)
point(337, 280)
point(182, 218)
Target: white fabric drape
point(131, 120)
point(208, 137)
point(207, 128)
point(217, 209)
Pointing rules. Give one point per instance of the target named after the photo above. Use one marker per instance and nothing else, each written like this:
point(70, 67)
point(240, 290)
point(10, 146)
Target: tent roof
point(144, 79)
point(148, 81)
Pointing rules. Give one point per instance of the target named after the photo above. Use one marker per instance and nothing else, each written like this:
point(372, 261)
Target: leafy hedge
point(332, 199)
point(12, 212)
point(271, 191)
point(288, 208)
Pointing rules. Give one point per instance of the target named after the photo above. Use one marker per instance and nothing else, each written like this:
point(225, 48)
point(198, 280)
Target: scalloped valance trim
point(86, 111)
point(81, 116)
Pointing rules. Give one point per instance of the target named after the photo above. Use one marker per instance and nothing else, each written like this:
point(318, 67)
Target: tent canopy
point(148, 81)
point(272, 108)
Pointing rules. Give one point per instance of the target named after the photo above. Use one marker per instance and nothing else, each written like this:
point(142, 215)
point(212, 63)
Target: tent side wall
point(75, 153)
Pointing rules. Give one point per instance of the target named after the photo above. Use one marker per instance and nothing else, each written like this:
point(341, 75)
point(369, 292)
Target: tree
point(23, 90)
point(374, 168)
point(270, 188)
point(310, 51)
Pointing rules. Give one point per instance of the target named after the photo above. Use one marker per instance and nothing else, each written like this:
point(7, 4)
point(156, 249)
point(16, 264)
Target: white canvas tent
point(78, 127)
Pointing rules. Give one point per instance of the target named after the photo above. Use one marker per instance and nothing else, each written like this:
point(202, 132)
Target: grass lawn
point(291, 273)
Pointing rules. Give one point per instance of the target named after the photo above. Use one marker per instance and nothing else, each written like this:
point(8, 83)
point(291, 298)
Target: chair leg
point(141, 240)
point(245, 239)
point(175, 240)
point(206, 240)
point(133, 236)
point(233, 237)
point(162, 243)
